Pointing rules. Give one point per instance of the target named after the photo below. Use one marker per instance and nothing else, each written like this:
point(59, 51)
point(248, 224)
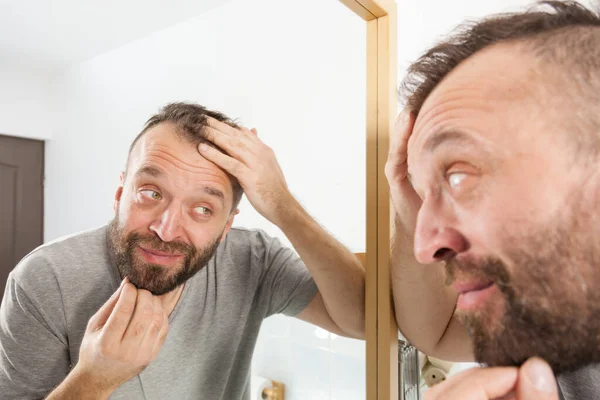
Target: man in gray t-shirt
point(167, 300)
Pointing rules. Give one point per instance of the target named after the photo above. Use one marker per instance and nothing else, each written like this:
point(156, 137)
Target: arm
point(79, 386)
point(26, 369)
point(424, 304)
point(339, 275)
point(34, 355)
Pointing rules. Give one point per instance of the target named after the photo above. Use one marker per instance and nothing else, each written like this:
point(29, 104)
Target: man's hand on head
point(253, 163)
point(533, 381)
point(405, 200)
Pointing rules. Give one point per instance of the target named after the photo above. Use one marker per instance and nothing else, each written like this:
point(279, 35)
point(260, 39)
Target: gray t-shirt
point(53, 292)
point(583, 384)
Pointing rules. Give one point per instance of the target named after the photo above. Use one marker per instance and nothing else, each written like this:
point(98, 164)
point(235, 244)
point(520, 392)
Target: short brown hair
point(562, 33)
point(190, 119)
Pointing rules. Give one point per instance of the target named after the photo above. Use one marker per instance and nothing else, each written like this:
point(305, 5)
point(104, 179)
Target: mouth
point(473, 294)
point(159, 257)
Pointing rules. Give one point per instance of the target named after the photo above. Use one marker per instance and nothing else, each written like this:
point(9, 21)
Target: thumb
point(536, 381)
point(99, 319)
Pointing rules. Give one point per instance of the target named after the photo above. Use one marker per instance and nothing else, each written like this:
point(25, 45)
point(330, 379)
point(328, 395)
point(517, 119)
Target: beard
point(157, 279)
point(550, 300)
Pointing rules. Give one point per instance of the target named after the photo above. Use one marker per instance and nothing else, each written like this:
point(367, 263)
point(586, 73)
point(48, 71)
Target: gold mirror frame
point(382, 61)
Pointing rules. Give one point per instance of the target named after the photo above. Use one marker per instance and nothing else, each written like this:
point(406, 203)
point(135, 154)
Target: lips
point(471, 286)
point(159, 257)
point(474, 295)
point(160, 253)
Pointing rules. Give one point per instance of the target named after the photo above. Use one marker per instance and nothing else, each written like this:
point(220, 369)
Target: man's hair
point(561, 34)
point(191, 122)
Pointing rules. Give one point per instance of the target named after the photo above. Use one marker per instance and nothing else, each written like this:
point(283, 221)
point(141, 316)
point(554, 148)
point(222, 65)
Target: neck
point(169, 300)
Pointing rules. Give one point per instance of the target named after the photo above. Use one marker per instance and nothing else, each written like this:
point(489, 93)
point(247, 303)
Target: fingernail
point(203, 147)
point(540, 374)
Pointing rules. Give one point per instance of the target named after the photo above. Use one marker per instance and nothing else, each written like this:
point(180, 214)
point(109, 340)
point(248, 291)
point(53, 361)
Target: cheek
point(132, 217)
point(503, 214)
point(202, 235)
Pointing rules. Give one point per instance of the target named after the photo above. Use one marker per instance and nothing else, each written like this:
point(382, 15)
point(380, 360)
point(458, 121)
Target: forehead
point(163, 147)
point(487, 98)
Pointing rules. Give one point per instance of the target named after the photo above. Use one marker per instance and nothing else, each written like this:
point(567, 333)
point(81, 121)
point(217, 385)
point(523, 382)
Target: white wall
point(299, 78)
point(27, 102)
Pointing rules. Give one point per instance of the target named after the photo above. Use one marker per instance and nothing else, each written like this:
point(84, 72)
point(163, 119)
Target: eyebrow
point(447, 136)
point(155, 172)
point(216, 193)
point(148, 170)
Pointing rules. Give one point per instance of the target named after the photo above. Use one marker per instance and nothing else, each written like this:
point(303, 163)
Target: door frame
point(382, 74)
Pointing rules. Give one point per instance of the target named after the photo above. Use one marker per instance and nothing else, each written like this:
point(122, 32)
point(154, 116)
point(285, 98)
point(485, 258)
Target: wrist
point(88, 385)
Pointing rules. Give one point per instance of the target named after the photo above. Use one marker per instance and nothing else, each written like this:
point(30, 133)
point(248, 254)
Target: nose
point(168, 225)
point(435, 237)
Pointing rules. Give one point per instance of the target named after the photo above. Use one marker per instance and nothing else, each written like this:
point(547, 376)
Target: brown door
point(21, 200)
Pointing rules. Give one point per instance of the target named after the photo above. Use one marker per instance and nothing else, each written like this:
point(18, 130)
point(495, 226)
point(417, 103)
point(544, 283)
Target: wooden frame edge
point(381, 329)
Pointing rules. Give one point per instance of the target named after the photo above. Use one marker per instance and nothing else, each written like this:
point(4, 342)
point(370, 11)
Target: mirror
point(84, 79)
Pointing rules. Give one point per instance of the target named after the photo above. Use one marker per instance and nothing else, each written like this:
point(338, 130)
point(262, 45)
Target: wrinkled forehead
point(484, 99)
point(165, 137)
point(163, 147)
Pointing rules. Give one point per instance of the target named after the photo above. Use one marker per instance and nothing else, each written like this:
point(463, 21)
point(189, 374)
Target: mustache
point(489, 269)
point(154, 242)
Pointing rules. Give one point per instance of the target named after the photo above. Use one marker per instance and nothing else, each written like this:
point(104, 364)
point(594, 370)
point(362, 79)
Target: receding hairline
point(543, 27)
point(178, 132)
point(548, 58)
point(566, 98)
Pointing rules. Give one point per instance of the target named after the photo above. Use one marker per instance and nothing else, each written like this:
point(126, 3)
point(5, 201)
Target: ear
point(229, 223)
point(119, 192)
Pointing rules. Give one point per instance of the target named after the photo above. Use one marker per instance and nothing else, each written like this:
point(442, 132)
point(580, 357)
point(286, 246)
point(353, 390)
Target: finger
point(140, 322)
point(395, 168)
point(221, 126)
point(221, 139)
point(536, 381)
point(241, 133)
point(240, 148)
point(119, 319)
point(251, 134)
point(229, 164)
point(405, 199)
point(226, 128)
point(476, 384)
point(156, 325)
point(99, 319)
point(400, 129)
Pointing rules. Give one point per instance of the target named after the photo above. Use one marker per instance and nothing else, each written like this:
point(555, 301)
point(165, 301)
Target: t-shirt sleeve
point(286, 280)
point(34, 356)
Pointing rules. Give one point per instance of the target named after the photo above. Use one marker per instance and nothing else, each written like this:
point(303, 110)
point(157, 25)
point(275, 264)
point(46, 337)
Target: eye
point(151, 194)
point(455, 179)
point(203, 210)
